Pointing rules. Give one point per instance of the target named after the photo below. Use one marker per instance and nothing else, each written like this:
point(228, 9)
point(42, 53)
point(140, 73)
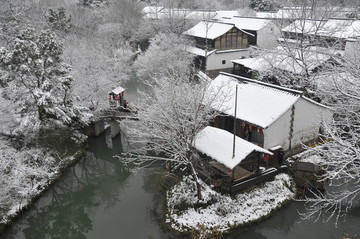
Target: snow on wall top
point(246, 23)
point(209, 30)
point(198, 51)
point(257, 103)
point(218, 144)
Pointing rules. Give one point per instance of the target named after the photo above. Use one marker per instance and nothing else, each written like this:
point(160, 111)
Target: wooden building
point(230, 160)
point(269, 116)
point(218, 42)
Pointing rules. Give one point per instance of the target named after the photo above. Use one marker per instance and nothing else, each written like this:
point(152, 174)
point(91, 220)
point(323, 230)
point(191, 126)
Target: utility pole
point(236, 92)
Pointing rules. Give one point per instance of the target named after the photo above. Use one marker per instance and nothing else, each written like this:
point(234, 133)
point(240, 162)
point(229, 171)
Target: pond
point(99, 198)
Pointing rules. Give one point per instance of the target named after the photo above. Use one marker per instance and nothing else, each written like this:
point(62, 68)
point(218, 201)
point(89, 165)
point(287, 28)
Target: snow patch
point(223, 211)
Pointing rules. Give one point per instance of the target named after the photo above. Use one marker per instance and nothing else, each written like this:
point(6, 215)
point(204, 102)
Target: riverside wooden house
point(230, 162)
point(268, 115)
point(270, 122)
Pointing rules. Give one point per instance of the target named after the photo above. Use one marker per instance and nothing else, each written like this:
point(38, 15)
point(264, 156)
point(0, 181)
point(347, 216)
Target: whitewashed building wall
point(278, 132)
point(215, 60)
point(307, 120)
point(268, 35)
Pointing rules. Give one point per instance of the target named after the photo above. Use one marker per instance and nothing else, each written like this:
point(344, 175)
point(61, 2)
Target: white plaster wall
point(278, 132)
point(352, 49)
point(268, 35)
point(214, 61)
point(308, 118)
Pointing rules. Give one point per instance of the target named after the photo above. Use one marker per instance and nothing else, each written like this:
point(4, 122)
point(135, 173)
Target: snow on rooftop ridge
point(258, 103)
point(218, 144)
point(209, 29)
point(263, 83)
point(248, 23)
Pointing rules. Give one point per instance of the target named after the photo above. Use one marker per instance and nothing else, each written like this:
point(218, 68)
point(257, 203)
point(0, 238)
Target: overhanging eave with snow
point(218, 144)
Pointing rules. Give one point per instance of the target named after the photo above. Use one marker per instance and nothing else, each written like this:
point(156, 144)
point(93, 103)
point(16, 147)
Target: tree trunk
point(198, 186)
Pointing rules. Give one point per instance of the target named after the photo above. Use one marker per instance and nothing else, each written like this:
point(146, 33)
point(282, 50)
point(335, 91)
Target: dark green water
point(97, 198)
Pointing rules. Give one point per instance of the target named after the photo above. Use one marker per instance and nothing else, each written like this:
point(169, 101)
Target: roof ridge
point(297, 92)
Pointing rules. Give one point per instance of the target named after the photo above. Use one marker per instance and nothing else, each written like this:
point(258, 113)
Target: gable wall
point(268, 35)
point(278, 132)
point(306, 125)
point(308, 118)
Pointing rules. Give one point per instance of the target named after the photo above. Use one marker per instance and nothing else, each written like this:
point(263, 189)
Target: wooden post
point(235, 121)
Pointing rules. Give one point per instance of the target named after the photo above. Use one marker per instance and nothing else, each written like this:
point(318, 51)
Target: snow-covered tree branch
point(169, 119)
point(38, 82)
point(166, 55)
point(340, 154)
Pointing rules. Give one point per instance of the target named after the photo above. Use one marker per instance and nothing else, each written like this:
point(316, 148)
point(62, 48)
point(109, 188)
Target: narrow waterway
point(96, 198)
point(99, 198)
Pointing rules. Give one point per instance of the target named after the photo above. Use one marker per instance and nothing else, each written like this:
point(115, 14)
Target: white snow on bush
point(23, 175)
point(223, 211)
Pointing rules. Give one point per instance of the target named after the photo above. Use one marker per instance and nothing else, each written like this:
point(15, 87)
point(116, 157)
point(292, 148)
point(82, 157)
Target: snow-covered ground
point(23, 176)
point(223, 211)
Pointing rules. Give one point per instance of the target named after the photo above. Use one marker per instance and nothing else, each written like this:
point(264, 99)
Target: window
point(223, 62)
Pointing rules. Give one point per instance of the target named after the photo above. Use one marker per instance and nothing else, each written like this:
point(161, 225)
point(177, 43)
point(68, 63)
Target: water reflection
point(71, 207)
point(286, 223)
point(98, 198)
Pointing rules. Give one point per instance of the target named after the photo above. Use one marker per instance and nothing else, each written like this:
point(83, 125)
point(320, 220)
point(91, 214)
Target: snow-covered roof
point(209, 30)
point(247, 23)
point(198, 51)
point(254, 63)
point(151, 9)
point(339, 28)
point(226, 13)
point(309, 13)
point(218, 144)
point(304, 26)
point(117, 90)
point(189, 14)
point(152, 12)
point(258, 103)
point(279, 58)
point(157, 12)
point(266, 15)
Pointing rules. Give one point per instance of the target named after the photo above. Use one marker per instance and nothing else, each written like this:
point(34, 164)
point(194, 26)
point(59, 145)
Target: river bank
point(32, 173)
point(222, 212)
point(98, 198)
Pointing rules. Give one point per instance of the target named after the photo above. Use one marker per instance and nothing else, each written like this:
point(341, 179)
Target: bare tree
point(169, 119)
point(308, 41)
point(312, 59)
point(340, 153)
